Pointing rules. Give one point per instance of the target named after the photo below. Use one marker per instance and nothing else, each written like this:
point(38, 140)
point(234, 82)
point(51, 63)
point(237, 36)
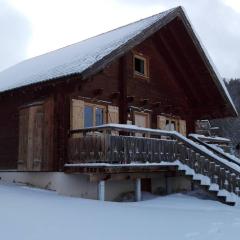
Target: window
point(93, 115)
point(88, 116)
point(170, 125)
point(140, 66)
point(99, 116)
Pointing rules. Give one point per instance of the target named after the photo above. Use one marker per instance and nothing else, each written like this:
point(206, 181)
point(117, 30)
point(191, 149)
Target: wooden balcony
point(123, 148)
point(105, 145)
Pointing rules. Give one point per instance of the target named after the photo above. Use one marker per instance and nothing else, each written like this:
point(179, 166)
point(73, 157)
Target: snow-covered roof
point(74, 58)
point(80, 57)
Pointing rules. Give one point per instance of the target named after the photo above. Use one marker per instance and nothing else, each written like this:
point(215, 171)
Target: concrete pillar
point(168, 182)
point(101, 190)
point(138, 194)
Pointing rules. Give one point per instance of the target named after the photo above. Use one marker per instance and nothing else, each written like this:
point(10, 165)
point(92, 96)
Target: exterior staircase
point(204, 183)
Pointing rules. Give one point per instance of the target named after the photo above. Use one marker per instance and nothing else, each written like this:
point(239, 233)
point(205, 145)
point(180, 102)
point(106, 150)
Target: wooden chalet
point(111, 114)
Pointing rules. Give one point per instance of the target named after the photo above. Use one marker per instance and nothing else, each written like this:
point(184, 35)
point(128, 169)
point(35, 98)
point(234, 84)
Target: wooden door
point(35, 137)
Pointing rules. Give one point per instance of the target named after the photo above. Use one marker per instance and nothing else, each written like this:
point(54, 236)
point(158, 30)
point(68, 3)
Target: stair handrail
point(214, 150)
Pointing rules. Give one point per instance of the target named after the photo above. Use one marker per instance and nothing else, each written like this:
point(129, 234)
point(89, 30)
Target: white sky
point(235, 4)
point(57, 23)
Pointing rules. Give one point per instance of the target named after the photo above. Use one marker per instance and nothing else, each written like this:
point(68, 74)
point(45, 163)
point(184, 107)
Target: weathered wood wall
point(10, 105)
point(61, 93)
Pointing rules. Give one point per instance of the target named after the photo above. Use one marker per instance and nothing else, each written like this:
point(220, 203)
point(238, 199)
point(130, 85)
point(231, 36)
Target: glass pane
point(167, 127)
point(139, 65)
point(99, 116)
point(88, 116)
point(173, 125)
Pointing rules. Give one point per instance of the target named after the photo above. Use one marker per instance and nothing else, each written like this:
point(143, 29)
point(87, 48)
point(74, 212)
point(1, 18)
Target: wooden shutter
point(161, 122)
point(182, 127)
point(113, 114)
point(141, 119)
point(77, 114)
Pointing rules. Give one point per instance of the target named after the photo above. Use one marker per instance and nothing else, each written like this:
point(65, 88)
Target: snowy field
point(30, 214)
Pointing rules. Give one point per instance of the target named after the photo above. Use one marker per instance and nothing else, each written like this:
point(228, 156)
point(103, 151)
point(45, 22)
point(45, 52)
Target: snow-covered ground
point(28, 213)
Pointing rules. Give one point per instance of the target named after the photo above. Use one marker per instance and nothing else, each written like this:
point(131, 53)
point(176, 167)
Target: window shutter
point(161, 122)
point(77, 114)
point(113, 114)
point(182, 127)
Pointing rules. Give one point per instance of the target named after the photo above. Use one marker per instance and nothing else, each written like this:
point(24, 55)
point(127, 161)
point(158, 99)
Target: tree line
point(230, 127)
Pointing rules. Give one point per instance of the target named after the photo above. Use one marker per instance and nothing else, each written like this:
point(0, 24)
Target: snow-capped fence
point(120, 149)
point(122, 144)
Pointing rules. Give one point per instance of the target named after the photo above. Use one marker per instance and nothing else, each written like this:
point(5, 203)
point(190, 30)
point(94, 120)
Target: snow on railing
point(215, 149)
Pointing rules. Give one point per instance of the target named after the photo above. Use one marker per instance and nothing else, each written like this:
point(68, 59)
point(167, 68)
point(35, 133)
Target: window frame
point(174, 120)
point(145, 59)
point(94, 106)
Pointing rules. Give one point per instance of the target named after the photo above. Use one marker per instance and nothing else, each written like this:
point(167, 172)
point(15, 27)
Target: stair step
point(230, 197)
point(212, 188)
point(186, 170)
point(230, 203)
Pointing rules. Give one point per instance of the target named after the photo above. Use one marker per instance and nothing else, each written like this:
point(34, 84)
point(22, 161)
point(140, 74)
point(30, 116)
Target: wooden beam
point(122, 83)
point(61, 126)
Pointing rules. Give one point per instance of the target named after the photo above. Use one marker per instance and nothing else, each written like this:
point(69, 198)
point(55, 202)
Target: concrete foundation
point(138, 195)
point(79, 185)
point(101, 190)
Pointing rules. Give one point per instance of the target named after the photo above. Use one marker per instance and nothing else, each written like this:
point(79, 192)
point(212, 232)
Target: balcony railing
point(120, 149)
point(126, 144)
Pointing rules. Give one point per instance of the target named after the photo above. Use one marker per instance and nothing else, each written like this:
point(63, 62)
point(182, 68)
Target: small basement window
point(140, 66)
